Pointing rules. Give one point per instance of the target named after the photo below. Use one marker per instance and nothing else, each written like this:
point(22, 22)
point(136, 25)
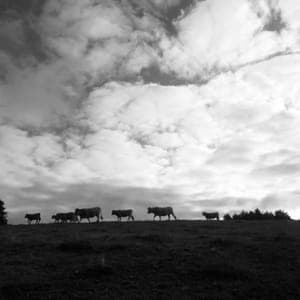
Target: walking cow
point(87, 213)
point(56, 218)
point(65, 217)
point(211, 216)
point(161, 211)
point(123, 213)
point(33, 217)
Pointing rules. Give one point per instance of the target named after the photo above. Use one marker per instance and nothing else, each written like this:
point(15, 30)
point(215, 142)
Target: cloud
point(102, 40)
point(287, 200)
point(182, 97)
point(253, 30)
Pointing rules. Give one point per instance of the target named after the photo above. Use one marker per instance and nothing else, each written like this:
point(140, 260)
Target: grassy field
point(151, 260)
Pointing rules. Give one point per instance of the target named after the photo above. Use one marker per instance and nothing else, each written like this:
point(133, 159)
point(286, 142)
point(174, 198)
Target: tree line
point(258, 215)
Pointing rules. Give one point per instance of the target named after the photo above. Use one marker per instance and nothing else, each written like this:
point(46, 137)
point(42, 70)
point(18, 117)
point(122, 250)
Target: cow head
point(76, 211)
point(26, 216)
point(113, 212)
point(150, 210)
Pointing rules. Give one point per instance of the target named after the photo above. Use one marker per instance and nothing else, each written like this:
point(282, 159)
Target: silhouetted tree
point(257, 214)
point(3, 214)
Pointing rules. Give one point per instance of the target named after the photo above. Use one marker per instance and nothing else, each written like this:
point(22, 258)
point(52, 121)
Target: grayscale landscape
point(149, 149)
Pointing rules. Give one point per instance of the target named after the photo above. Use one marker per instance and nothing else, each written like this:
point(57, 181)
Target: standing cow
point(211, 215)
point(87, 213)
point(33, 217)
point(123, 213)
point(161, 211)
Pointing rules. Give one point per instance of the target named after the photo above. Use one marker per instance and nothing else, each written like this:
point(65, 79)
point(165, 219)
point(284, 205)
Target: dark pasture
point(151, 260)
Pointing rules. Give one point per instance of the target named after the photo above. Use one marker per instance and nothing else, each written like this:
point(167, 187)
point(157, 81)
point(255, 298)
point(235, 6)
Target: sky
point(137, 103)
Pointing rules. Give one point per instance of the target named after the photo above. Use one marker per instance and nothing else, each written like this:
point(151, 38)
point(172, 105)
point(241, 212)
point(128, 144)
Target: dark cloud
point(32, 7)
point(19, 35)
point(154, 74)
point(183, 7)
point(275, 21)
point(167, 11)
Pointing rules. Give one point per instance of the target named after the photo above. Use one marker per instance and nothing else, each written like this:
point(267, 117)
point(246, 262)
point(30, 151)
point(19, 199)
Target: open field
point(151, 260)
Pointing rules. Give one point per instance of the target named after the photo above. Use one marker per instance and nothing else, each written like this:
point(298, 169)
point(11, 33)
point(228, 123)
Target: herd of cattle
point(96, 212)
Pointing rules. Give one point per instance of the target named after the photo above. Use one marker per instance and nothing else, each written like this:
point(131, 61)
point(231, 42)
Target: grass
point(151, 260)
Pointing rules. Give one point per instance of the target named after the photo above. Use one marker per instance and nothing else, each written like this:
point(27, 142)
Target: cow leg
point(174, 216)
point(98, 219)
point(168, 217)
point(132, 218)
point(159, 218)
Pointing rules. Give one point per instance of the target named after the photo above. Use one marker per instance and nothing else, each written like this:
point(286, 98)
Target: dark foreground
point(147, 260)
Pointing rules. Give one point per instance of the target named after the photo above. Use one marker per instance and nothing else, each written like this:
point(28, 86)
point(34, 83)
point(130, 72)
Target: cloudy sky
point(133, 103)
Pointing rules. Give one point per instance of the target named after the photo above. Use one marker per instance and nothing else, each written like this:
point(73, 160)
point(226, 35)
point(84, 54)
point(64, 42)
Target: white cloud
point(25, 159)
point(218, 35)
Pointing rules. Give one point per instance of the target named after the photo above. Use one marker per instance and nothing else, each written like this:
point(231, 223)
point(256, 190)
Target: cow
point(161, 211)
point(211, 215)
point(87, 213)
point(56, 218)
point(33, 217)
point(70, 216)
point(65, 217)
point(123, 213)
